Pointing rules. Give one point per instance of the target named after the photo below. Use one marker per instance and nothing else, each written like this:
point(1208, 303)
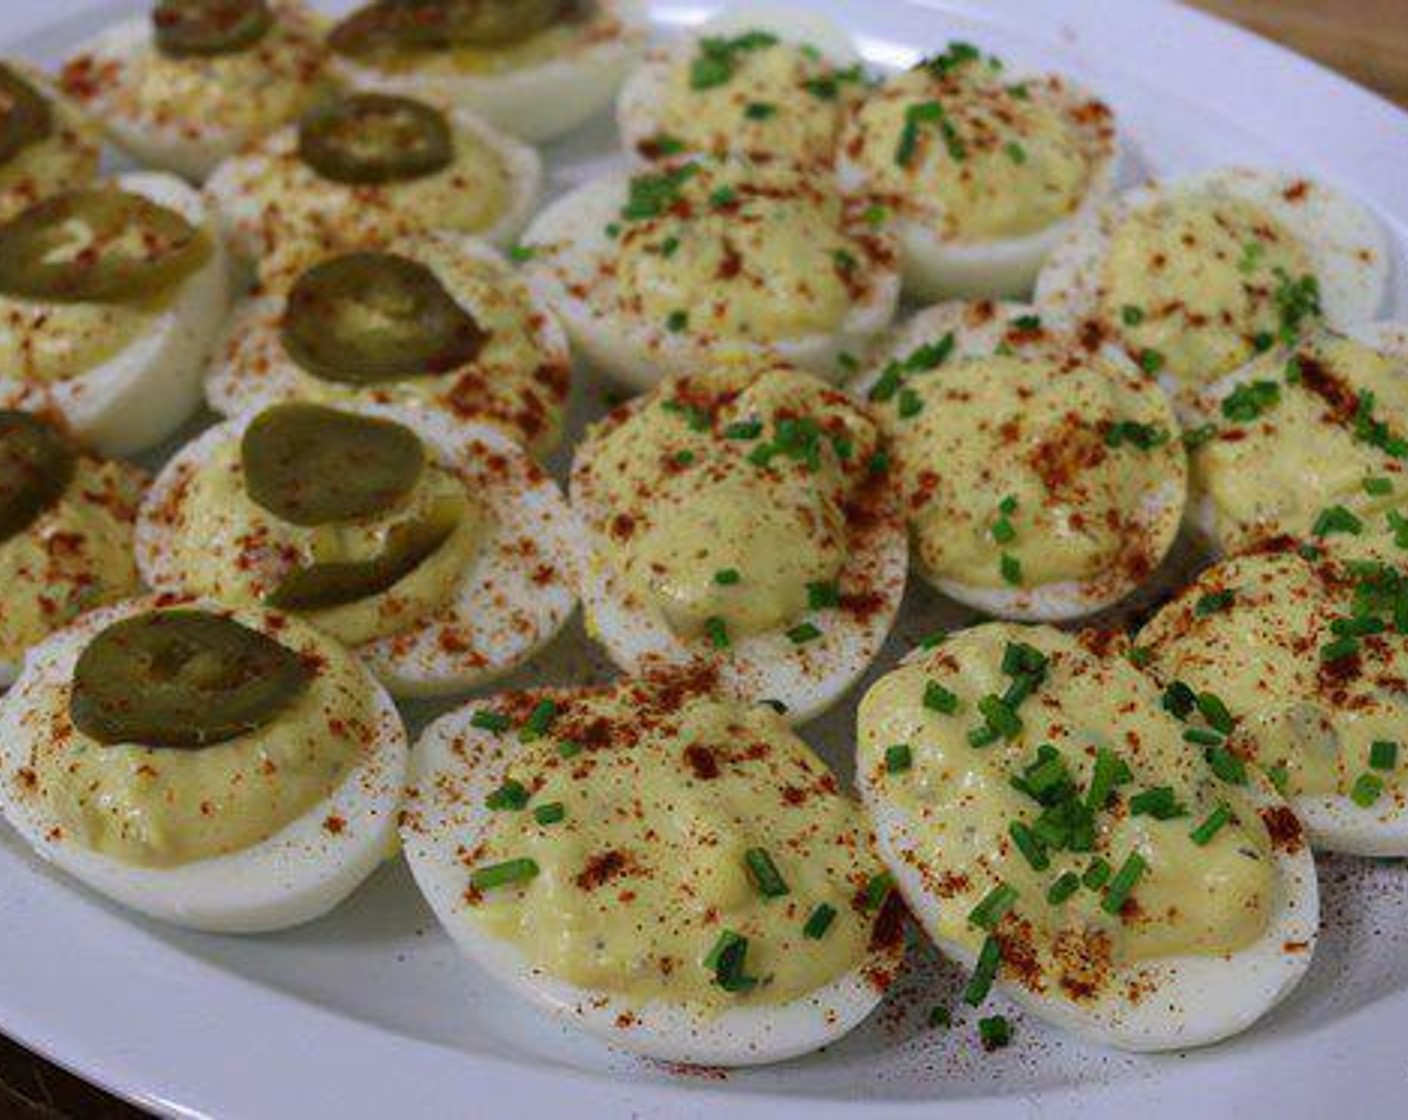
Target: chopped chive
point(1160, 802)
point(1150, 361)
point(993, 907)
point(822, 594)
point(1280, 777)
point(939, 699)
point(676, 321)
point(1000, 716)
point(1214, 602)
point(1202, 736)
point(933, 640)
point(510, 795)
point(1110, 771)
point(1212, 709)
point(1226, 765)
point(726, 961)
point(488, 720)
point(539, 720)
point(1011, 569)
point(1003, 531)
point(1141, 657)
point(939, 1018)
point(877, 889)
point(1030, 845)
point(1179, 700)
point(1336, 519)
point(502, 874)
point(1066, 884)
point(898, 758)
point(819, 921)
point(1212, 825)
point(1131, 315)
point(983, 736)
point(1378, 485)
point(1366, 790)
point(911, 404)
point(717, 630)
point(759, 110)
point(984, 972)
point(1015, 152)
point(1339, 649)
point(521, 253)
point(550, 813)
point(1383, 755)
point(726, 577)
point(995, 1032)
point(803, 633)
point(1123, 883)
point(568, 749)
point(1096, 875)
point(744, 429)
point(766, 876)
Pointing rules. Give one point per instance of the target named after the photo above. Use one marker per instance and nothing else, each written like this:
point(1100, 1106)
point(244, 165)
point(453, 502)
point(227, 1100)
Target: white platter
point(371, 1013)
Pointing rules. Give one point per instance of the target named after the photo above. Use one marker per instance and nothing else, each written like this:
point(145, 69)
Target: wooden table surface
point(1366, 39)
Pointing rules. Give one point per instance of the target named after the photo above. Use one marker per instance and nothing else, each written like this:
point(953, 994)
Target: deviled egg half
point(46, 146)
point(360, 171)
point(66, 522)
point(1042, 480)
point(195, 80)
point(434, 319)
point(659, 272)
point(231, 770)
point(675, 873)
point(110, 299)
point(534, 68)
point(437, 550)
point(763, 82)
point(981, 171)
point(1308, 655)
point(742, 518)
point(1196, 276)
point(1307, 441)
point(1051, 824)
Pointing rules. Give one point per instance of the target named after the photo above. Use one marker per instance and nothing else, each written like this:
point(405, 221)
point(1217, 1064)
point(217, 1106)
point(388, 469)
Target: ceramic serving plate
point(371, 1012)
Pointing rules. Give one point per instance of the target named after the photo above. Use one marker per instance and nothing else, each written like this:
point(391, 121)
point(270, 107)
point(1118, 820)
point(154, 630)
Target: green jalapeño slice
point(429, 25)
point(182, 678)
point(36, 466)
point(187, 28)
point(365, 318)
point(365, 139)
point(98, 245)
point(311, 465)
point(25, 116)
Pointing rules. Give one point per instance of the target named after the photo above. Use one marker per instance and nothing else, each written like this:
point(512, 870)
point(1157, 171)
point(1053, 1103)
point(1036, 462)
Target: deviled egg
point(435, 319)
point(1196, 276)
point(46, 146)
point(982, 171)
point(195, 80)
point(1050, 823)
point(437, 550)
point(762, 82)
point(365, 169)
point(1308, 656)
point(742, 518)
point(110, 299)
point(1304, 439)
point(534, 68)
point(658, 272)
point(672, 872)
point(231, 770)
point(1042, 480)
point(65, 533)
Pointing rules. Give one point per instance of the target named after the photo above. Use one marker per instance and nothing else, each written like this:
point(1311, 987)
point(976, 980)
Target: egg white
point(938, 267)
point(190, 146)
point(142, 394)
point(807, 678)
point(1346, 245)
point(514, 597)
point(296, 875)
point(251, 233)
point(537, 102)
point(1051, 602)
point(570, 244)
point(1388, 338)
point(446, 816)
point(251, 369)
point(637, 107)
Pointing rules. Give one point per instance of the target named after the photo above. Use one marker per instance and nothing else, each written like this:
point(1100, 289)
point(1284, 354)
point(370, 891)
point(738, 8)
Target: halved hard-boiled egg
point(659, 272)
point(1041, 479)
point(365, 169)
point(46, 145)
point(1304, 441)
point(438, 550)
point(195, 80)
point(1196, 276)
point(1108, 862)
point(742, 518)
point(763, 82)
point(65, 533)
point(225, 769)
point(534, 68)
point(670, 871)
point(1308, 655)
point(981, 170)
point(434, 319)
point(110, 299)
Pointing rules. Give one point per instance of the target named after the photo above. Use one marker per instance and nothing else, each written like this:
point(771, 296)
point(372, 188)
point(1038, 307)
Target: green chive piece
point(1214, 602)
point(717, 630)
point(539, 720)
point(803, 633)
point(1280, 777)
point(940, 1017)
point(550, 813)
point(933, 640)
point(939, 699)
point(1066, 884)
point(726, 961)
point(1213, 710)
point(819, 921)
point(984, 972)
point(1366, 790)
point(1339, 649)
point(1011, 569)
point(1336, 519)
point(995, 1032)
point(877, 889)
point(744, 429)
point(823, 594)
point(1202, 736)
point(486, 720)
point(1131, 315)
point(1096, 875)
point(1030, 845)
point(1110, 771)
point(1378, 486)
point(1226, 765)
point(898, 758)
point(726, 577)
point(502, 874)
point(766, 876)
point(994, 906)
point(568, 749)
point(1000, 716)
point(1212, 824)
point(521, 253)
point(509, 796)
point(1159, 802)
point(984, 736)
point(1383, 755)
point(1123, 883)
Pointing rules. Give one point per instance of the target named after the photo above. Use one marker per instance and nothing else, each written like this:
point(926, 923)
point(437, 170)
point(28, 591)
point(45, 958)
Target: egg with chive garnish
point(1042, 480)
point(674, 873)
point(743, 518)
point(1111, 865)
